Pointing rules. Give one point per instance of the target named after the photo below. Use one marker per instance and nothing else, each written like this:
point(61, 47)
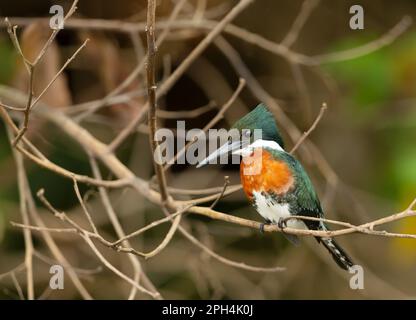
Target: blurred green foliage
point(7, 60)
point(381, 97)
point(7, 66)
point(374, 84)
point(369, 78)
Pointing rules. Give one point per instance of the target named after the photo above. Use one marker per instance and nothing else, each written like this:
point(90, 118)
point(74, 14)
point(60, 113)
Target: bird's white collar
point(248, 150)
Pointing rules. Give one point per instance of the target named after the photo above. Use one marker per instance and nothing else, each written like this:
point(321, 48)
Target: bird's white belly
point(273, 211)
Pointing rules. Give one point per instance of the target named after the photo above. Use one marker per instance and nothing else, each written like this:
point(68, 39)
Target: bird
point(274, 181)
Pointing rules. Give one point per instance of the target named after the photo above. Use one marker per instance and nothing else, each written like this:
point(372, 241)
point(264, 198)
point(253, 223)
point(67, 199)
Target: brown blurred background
point(368, 136)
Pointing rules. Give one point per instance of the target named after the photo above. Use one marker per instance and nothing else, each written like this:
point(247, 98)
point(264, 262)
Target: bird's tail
point(338, 254)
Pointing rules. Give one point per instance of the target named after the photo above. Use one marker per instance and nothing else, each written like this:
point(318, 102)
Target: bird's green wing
point(303, 198)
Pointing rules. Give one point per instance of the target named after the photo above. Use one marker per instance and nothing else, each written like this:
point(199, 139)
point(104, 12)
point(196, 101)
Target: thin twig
point(36, 228)
point(59, 73)
point(53, 247)
point(166, 239)
point(21, 267)
point(369, 47)
point(196, 112)
point(84, 207)
point(226, 261)
point(226, 183)
point(21, 177)
point(304, 13)
point(10, 107)
point(198, 192)
point(17, 286)
point(152, 225)
point(302, 88)
point(313, 126)
point(55, 32)
point(154, 295)
point(30, 67)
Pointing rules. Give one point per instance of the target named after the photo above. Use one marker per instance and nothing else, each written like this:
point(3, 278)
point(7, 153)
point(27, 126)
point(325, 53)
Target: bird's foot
point(264, 224)
point(282, 223)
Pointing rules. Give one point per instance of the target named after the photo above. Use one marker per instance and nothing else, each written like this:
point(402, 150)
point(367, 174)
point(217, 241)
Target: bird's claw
point(282, 223)
point(264, 224)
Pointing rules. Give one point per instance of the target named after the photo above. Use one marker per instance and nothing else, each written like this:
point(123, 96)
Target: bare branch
point(226, 183)
point(58, 73)
point(313, 126)
point(151, 91)
point(30, 67)
point(367, 228)
point(304, 13)
point(17, 286)
point(21, 178)
point(152, 225)
point(369, 47)
point(84, 207)
point(178, 72)
point(139, 273)
point(226, 261)
point(155, 295)
point(244, 35)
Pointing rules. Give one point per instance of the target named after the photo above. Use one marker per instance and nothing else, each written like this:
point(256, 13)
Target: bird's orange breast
point(261, 172)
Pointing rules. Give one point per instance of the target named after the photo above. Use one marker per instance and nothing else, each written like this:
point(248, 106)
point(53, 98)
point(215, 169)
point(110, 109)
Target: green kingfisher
point(274, 181)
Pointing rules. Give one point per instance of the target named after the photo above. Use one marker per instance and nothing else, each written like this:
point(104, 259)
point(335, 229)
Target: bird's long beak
point(227, 147)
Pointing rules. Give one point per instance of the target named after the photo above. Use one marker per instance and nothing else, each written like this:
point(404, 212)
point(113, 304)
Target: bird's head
point(259, 124)
point(260, 120)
